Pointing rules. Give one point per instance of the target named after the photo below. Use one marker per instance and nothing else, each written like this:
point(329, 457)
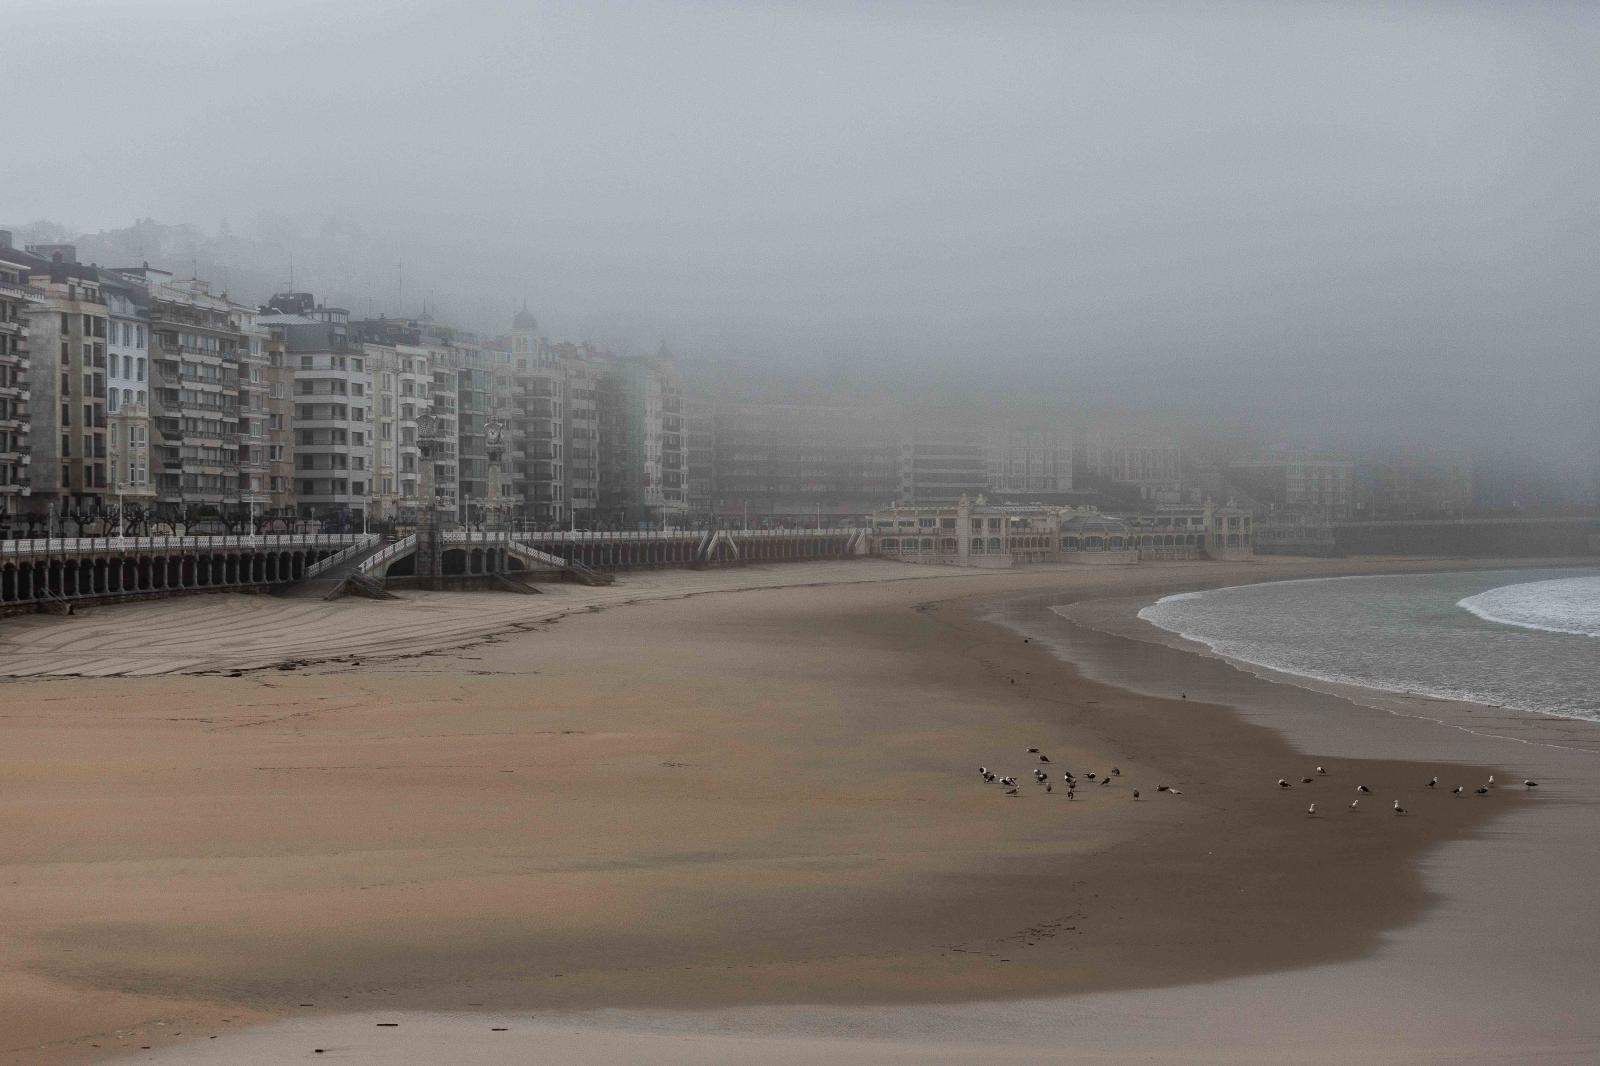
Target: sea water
point(1523, 639)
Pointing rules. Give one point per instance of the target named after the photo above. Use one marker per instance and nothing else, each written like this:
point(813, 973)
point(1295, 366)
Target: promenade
point(244, 632)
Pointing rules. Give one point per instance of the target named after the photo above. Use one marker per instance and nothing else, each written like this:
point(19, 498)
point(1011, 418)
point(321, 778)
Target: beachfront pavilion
point(969, 533)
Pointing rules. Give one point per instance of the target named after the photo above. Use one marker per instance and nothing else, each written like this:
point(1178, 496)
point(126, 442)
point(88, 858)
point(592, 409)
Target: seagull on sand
point(1090, 775)
point(1398, 809)
point(1011, 792)
point(983, 771)
point(1354, 804)
point(1175, 791)
point(987, 776)
point(1033, 751)
point(1283, 784)
point(1320, 770)
point(1363, 788)
point(1047, 787)
point(1162, 788)
point(1071, 794)
point(1044, 758)
point(1009, 782)
point(1039, 776)
point(1104, 781)
point(1481, 790)
point(1305, 780)
point(1116, 771)
point(1433, 782)
point(1456, 791)
point(1490, 782)
point(1312, 810)
point(1135, 793)
point(1530, 784)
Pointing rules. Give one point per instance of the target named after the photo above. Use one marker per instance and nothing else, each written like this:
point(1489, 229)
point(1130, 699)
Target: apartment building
point(1312, 485)
point(640, 412)
point(699, 455)
point(402, 380)
point(266, 414)
point(67, 333)
point(1030, 464)
point(941, 461)
point(474, 383)
point(15, 299)
point(537, 425)
point(195, 346)
point(128, 425)
point(583, 371)
point(791, 463)
point(332, 398)
point(1146, 460)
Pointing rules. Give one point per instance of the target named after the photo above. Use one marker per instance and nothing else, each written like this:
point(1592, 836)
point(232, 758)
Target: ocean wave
point(1566, 605)
point(1394, 633)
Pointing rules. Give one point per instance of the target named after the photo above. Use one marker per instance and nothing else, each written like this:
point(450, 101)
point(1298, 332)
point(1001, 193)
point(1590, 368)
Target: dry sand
point(761, 812)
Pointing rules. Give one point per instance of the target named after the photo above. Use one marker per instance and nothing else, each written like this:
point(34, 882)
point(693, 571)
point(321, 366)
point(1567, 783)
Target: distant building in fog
point(941, 460)
point(788, 463)
point(1410, 486)
point(1311, 485)
point(1030, 464)
point(975, 532)
point(1149, 462)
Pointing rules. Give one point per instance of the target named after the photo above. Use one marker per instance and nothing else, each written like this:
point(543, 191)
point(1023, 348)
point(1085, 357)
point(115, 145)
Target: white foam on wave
point(1565, 605)
point(1254, 654)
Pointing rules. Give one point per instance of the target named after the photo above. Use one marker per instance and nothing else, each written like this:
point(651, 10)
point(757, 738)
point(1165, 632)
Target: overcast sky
point(1347, 212)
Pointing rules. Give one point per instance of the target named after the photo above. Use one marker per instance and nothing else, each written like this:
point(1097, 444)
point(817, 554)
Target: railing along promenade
point(60, 570)
point(50, 571)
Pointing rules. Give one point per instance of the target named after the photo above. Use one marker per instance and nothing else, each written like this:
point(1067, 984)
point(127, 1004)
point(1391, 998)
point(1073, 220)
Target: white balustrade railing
point(403, 546)
point(363, 543)
point(75, 545)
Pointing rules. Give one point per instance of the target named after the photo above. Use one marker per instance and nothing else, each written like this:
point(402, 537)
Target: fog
point(1334, 222)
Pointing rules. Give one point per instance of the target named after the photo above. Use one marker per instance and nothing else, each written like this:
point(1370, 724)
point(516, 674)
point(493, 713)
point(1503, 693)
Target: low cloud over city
point(1331, 221)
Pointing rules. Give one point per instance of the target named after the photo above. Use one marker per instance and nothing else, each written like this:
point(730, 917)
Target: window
point(305, 362)
point(111, 401)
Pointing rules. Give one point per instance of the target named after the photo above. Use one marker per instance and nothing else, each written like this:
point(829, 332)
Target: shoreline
point(869, 967)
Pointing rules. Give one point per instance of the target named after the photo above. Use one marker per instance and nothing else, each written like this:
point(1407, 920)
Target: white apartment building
point(1028, 462)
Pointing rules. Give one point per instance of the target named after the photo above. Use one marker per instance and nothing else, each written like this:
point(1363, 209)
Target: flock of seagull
point(1433, 782)
point(1068, 778)
point(1071, 783)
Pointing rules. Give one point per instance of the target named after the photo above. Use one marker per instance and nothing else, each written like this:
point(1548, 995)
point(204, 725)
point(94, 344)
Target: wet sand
point(759, 811)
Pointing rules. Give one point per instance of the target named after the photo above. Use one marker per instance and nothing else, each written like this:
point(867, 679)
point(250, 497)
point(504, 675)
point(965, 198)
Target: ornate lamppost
point(495, 432)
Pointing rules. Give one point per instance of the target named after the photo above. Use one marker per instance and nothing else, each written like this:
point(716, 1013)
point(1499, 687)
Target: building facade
point(795, 464)
point(1315, 486)
point(941, 462)
point(195, 348)
point(127, 392)
point(16, 297)
point(67, 333)
point(977, 533)
point(1146, 461)
point(332, 398)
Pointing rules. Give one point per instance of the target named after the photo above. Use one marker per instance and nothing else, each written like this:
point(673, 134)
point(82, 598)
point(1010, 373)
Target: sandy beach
point(734, 816)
